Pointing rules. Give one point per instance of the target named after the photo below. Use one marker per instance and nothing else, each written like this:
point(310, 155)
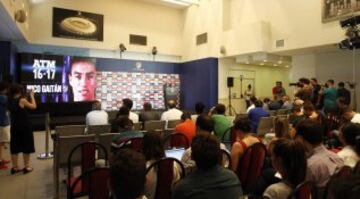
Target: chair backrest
point(105, 140)
point(272, 113)
point(265, 125)
point(96, 186)
point(251, 164)
point(154, 125)
point(341, 174)
point(241, 116)
point(177, 140)
point(226, 159)
point(283, 112)
point(172, 123)
point(63, 146)
point(99, 129)
point(165, 176)
point(70, 130)
point(88, 158)
point(305, 190)
point(138, 126)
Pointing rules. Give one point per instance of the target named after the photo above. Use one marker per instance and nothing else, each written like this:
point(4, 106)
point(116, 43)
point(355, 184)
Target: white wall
point(303, 66)
point(163, 25)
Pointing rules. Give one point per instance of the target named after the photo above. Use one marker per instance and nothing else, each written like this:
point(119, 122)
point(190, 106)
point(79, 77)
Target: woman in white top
point(153, 151)
point(289, 160)
point(350, 137)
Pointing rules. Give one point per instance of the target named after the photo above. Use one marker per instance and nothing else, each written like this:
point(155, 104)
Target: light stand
point(46, 154)
point(354, 79)
point(230, 107)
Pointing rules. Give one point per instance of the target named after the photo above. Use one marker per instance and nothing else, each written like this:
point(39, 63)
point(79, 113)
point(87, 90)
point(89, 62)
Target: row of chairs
point(152, 125)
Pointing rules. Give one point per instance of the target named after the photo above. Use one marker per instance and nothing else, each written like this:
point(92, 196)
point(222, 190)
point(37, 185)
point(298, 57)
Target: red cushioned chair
point(88, 158)
point(305, 190)
point(96, 186)
point(342, 174)
point(250, 165)
point(165, 176)
point(135, 143)
point(177, 140)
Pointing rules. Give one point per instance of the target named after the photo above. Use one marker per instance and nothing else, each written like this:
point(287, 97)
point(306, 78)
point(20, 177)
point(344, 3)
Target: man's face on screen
point(83, 81)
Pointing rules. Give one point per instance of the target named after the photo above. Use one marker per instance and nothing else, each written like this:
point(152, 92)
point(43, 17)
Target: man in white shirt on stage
point(97, 116)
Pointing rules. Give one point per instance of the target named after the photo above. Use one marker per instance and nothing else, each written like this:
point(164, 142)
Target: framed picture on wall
point(336, 9)
point(74, 24)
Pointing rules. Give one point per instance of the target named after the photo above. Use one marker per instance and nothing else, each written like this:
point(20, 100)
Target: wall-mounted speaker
point(230, 82)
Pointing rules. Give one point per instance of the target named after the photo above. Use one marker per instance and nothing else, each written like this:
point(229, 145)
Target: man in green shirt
point(222, 123)
point(330, 97)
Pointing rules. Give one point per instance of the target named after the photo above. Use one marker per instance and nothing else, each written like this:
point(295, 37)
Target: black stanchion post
point(46, 154)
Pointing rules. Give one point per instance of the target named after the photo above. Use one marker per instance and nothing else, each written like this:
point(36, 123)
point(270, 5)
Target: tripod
point(230, 107)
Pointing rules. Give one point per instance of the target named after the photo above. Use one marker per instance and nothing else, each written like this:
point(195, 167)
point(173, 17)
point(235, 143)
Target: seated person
point(172, 113)
point(126, 131)
point(199, 109)
point(222, 123)
point(129, 104)
point(209, 180)
point(244, 140)
point(127, 175)
point(351, 116)
point(350, 137)
point(311, 113)
point(253, 99)
point(266, 102)
point(97, 116)
point(321, 163)
point(186, 127)
point(287, 104)
point(148, 114)
point(289, 160)
point(123, 112)
point(281, 130)
point(296, 115)
point(256, 114)
point(275, 105)
point(153, 151)
point(204, 124)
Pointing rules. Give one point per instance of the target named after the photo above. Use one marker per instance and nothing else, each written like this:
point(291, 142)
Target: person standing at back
point(4, 124)
point(330, 95)
point(97, 116)
point(129, 104)
point(148, 114)
point(343, 92)
point(209, 180)
point(278, 91)
point(222, 123)
point(22, 138)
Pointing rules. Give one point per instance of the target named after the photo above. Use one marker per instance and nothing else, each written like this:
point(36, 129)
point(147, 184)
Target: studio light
point(352, 30)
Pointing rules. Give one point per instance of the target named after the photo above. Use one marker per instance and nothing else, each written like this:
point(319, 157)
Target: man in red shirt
point(186, 127)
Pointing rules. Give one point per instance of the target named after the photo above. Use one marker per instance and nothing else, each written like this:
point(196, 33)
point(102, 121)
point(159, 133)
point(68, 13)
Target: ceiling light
point(182, 2)
point(287, 66)
point(280, 62)
point(261, 64)
point(275, 65)
point(247, 62)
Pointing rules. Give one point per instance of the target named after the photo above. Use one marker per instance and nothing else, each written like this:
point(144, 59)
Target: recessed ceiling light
point(275, 65)
point(262, 64)
point(287, 66)
point(280, 62)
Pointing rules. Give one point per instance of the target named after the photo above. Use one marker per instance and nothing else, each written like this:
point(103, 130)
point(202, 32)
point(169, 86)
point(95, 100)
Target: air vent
point(280, 43)
point(138, 40)
point(201, 39)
